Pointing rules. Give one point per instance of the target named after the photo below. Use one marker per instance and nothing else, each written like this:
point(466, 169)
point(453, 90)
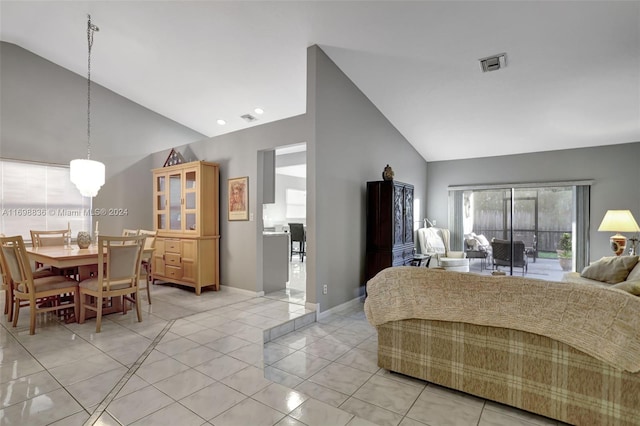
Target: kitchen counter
point(275, 261)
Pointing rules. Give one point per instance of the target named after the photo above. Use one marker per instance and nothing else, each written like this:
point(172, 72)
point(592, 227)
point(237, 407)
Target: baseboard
point(242, 291)
point(336, 309)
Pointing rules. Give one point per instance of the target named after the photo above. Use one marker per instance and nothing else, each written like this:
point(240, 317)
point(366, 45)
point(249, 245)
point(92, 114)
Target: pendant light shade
point(87, 176)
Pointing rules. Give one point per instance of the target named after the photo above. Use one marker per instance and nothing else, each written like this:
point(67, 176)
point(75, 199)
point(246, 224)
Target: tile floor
point(295, 291)
point(204, 361)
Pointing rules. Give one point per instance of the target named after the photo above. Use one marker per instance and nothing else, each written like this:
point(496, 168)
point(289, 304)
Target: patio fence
point(547, 240)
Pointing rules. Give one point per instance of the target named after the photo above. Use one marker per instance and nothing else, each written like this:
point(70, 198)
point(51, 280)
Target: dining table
point(68, 257)
point(84, 262)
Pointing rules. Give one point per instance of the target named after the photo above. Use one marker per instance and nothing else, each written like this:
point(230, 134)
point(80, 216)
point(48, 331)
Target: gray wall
point(352, 143)
point(238, 154)
point(348, 143)
point(614, 168)
point(43, 118)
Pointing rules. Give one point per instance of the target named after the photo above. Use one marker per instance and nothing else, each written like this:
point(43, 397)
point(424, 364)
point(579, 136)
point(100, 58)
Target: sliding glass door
point(535, 230)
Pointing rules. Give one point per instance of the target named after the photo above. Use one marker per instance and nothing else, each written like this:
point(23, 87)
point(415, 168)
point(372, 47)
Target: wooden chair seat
point(94, 283)
point(50, 283)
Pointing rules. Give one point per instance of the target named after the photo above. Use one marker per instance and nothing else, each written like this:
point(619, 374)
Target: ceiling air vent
point(248, 118)
point(493, 63)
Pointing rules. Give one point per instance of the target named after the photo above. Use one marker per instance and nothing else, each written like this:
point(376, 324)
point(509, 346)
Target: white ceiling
point(572, 80)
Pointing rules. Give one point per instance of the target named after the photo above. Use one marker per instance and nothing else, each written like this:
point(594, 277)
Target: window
point(40, 196)
point(296, 200)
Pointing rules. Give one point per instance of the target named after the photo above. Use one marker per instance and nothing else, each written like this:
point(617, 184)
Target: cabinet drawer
point(172, 246)
point(172, 259)
point(173, 272)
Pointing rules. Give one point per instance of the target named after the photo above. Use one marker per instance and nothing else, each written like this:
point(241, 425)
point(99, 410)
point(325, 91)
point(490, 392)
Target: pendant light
point(88, 175)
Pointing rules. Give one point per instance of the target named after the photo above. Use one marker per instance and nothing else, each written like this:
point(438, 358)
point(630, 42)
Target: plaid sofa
point(520, 369)
point(567, 351)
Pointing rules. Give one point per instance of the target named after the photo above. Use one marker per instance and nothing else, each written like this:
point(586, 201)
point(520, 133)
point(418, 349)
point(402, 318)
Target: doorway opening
point(289, 207)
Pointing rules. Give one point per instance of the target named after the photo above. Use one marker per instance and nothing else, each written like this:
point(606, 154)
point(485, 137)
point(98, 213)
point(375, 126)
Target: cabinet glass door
point(175, 202)
point(190, 207)
point(161, 202)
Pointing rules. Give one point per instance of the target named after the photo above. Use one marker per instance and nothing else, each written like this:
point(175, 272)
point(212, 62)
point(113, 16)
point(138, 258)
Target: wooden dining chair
point(119, 262)
point(7, 287)
point(42, 294)
point(147, 256)
point(130, 232)
point(47, 239)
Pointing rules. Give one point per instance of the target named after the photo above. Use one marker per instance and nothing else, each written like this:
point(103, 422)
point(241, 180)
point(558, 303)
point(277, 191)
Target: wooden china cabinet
point(390, 239)
point(186, 216)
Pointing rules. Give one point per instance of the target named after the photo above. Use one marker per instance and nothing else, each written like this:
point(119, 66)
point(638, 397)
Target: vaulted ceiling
point(572, 77)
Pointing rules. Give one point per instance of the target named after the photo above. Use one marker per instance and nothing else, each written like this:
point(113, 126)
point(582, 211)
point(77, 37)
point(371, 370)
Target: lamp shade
point(87, 176)
point(619, 221)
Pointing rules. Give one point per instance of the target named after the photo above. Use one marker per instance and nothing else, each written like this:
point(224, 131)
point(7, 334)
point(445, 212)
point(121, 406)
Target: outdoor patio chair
point(502, 254)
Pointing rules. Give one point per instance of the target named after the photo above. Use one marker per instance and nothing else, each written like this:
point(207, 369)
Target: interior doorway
point(289, 206)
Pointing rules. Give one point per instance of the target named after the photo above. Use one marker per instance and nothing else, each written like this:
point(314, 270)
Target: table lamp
point(618, 221)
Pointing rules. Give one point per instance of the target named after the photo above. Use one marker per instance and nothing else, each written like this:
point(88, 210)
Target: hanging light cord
point(90, 30)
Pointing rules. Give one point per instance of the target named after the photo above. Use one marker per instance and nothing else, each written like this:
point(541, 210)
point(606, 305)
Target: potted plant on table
point(565, 254)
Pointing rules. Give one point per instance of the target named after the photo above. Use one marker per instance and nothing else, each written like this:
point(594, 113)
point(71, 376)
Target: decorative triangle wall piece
point(174, 158)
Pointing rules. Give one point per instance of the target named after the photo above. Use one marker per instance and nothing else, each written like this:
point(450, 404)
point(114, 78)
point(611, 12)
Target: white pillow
point(482, 240)
point(472, 244)
point(433, 241)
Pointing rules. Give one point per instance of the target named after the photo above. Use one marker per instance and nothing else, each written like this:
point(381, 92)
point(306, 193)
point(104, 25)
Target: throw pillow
point(434, 242)
point(472, 244)
point(482, 240)
point(610, 270)
point(635, 272)
point(632, 287)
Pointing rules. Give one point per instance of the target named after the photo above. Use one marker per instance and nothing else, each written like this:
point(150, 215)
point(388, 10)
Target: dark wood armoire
point(389, 226)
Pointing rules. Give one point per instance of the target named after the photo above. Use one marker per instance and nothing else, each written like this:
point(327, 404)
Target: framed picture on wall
point(238, 193)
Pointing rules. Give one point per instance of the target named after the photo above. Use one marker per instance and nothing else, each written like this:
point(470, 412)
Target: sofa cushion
point(635, 272)
point(632, 287)
point(610, 270)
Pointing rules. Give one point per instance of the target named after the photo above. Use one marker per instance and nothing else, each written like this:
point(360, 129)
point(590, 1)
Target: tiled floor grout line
point(45, 368)
point(102, 407)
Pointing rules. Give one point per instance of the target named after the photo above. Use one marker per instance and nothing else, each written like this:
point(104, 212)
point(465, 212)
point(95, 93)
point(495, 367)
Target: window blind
point(40, 196)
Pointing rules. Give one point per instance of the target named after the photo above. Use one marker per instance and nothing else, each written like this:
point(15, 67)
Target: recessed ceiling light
point(221, 122)
point(258, 111)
